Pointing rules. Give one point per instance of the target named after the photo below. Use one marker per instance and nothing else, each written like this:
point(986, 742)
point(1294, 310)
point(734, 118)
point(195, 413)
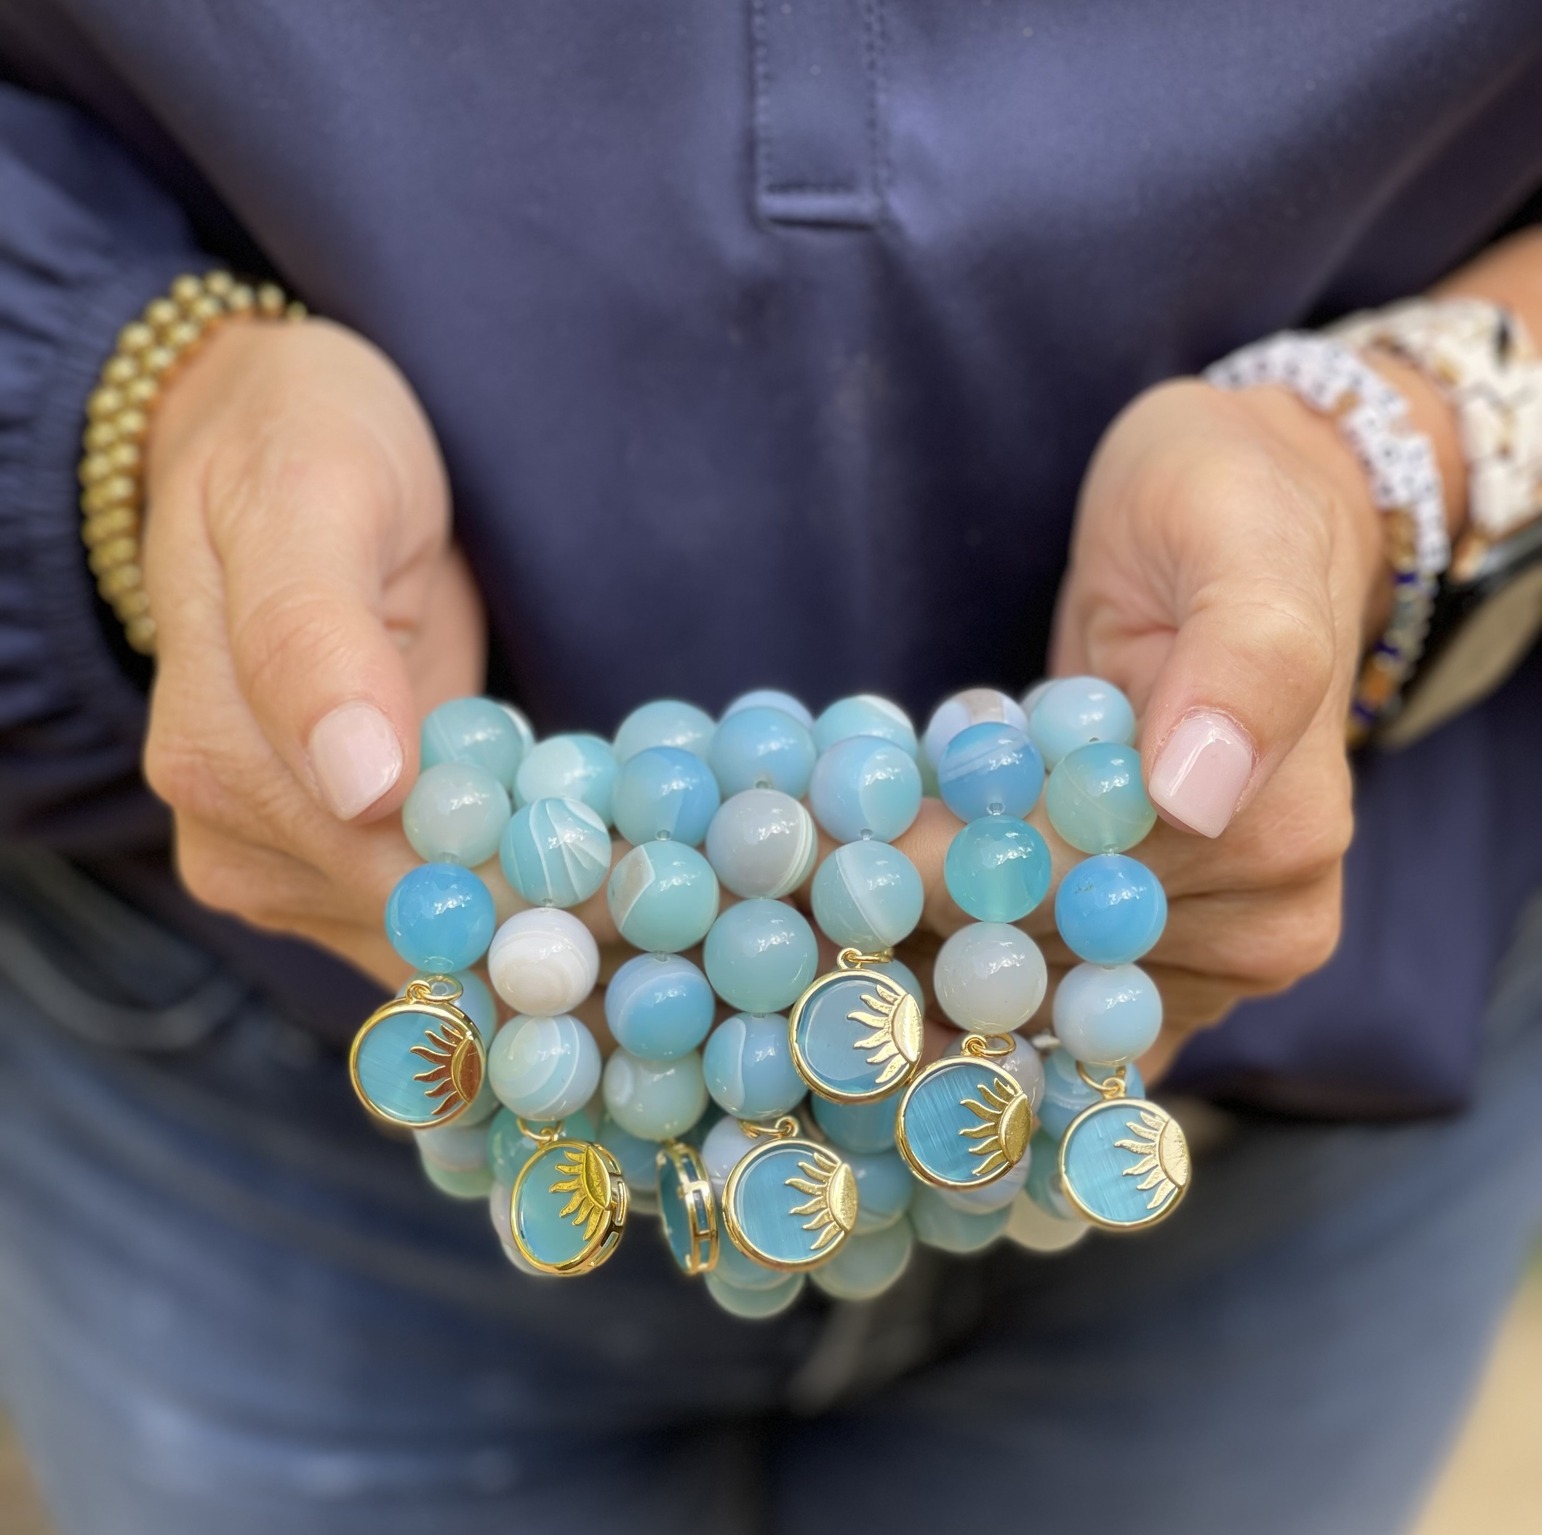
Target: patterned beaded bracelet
point(783, 1124)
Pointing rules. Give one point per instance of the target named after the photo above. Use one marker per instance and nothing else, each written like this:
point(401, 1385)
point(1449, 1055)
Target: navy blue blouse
point(767, 343)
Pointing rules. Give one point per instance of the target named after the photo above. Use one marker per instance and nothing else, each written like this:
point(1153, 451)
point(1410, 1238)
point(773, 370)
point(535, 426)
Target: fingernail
point(356, 758)
point(1202, 771)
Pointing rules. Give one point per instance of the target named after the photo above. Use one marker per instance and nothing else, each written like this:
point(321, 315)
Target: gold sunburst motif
point(893, 1016)
point(585, 1179)
point(1162, 1156)
point(832, 1203)
point(454, 1054)
point(1005, 1123)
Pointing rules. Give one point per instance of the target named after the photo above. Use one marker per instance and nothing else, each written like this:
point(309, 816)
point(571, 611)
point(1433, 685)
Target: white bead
point(543, 962)
point(990, 977)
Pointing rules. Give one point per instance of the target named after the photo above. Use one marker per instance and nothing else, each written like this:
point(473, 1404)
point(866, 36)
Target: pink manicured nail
point(356, 757)
point(1201, 772)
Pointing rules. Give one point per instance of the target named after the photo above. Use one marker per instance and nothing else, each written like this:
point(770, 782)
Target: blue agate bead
point(974, 706)
point(748, 1066)
point(654, 1100)
point(867, 1263)
point(665, 722)
point(569, 767)
point(865, 715)
point(659, 1006)
point(997, 869)
point(758, 1304)
point(762, 748)
point(473, 730)
point(1096, 800)
point(990, 977)
point(940, 1224)
point(663, 897)
point(990, 769)
point(456, 812)
point(762, 842)
point(1043, 1186)
point(865, 787)
point(1110, 909)
point(867, 896)
point(760, 956)
point(636, 1157)
point(664, 792)
point(544, 1068)
point(865, 1128)
point(440, 918)
point(1072, 711)
point(555, 852)
point(771, 698)
point(1107, 1015)
point(1066, 1095)
point(521, 724)
point(884, 1187)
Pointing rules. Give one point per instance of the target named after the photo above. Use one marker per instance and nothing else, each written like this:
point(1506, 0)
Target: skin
point(298, 557)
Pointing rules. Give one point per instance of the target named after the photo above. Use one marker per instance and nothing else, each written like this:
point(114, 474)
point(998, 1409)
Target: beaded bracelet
point(118, 413)
point(782, 1123)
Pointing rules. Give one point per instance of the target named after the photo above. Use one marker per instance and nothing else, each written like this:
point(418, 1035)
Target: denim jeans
point(229, 1306)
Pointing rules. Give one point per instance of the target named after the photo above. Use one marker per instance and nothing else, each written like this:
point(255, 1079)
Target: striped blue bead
point(1075, 710)
point(473, 730)
point(555, 852)
point(762, 842)
point(974, 706)
point(569, 767)
point(762, 748)
point(664, 792)
point(748, 1066)
point(659, 1006)
point(865, 714)
point(865, 787)
point(544, 1068)
point(990, 769)
point(868, 896)
point(665, 722)
point(663, 897)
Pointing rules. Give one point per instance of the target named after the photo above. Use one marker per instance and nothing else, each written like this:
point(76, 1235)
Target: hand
point(310, 609)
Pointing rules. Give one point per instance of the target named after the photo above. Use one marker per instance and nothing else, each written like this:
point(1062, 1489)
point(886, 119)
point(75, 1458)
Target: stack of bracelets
point(699, 1114)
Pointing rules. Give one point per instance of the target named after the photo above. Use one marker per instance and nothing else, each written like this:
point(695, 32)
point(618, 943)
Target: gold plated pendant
point(964, 1122)
point(1124, 1162)
point(856, 1032)
point(418, 1061)
point(569, 1204)
point(687, 1208)
point(790, 1202)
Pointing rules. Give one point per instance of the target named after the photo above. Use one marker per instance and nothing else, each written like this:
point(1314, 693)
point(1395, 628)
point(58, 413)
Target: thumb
point(306, 579)
point(1251, 665)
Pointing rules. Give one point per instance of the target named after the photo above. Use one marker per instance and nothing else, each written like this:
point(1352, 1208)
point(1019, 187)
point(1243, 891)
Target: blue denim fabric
point(228, 1305)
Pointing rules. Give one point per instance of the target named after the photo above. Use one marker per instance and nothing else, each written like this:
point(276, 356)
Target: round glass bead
point(762, 842)
point(473, 730)
point(569, 767)
point(990, 769)
point(1034, 1228)
point(940, 1224)
point(865, 787)
point(974, 706)
point(459, 1147)
point(636, 1157)
point(1096, 800)
point(771, 698)
point(1043, 1186)
point(867, 896)
point(1110, 909)
point(555, 852)
point(997, 869)
point(1023, 1065)
point(473, 1183)
point(654, 1100)
point(901, 972)
point(664, 792)
point(543, 962)
point(544, 1068)
point(663, 897)
point(865, 1128)
point(1030, 700)
point(762, 748)
point(509, 1148)
point(865, 714)
point(1072, 711)
point(742, 1271)
point(760, 956)
point(991, 1196)
point(748, 1066)
point(526, 733)
point(440, 918)
point(665, 722)
point(884, 1187)
point(1066, 1095)
point(867, 1263)
point(456, 812)
point(725, 1146)
point(990, 977)
point(755, 1305)
point(1107, 1014)
point(659, 1006)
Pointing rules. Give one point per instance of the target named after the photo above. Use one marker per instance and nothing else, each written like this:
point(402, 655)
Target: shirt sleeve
point(86, 240)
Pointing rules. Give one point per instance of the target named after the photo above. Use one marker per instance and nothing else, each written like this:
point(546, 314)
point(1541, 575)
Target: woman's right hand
point(310, 609)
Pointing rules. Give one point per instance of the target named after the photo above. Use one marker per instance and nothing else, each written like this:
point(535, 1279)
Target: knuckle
point(292, 634)
point(179, 771)
point(1303, 940)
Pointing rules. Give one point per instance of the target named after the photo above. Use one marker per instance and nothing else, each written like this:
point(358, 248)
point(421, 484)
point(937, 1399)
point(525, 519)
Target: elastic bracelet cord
point(118, 415)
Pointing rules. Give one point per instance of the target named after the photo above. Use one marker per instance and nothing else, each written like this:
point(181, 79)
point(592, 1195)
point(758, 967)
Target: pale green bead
point(663, 897)
point(868, 896)
point(866, 1264)
point(458, 1183)
point(939, 1224)
point(655, 1100)
point(474, 730)
point(664, 722)
point(456, 812)
point(1096, 799)
point(569, 767)
point(755, 1305)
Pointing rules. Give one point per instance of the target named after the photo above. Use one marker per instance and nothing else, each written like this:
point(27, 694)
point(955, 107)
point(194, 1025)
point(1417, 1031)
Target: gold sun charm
point(1005, 1123)
point(1163, 1167)
point(894, 1018)
point(1124, 1163)
point(422, 1025)
point(832, 1204)
point(454, 1054)
point(584, 1177)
